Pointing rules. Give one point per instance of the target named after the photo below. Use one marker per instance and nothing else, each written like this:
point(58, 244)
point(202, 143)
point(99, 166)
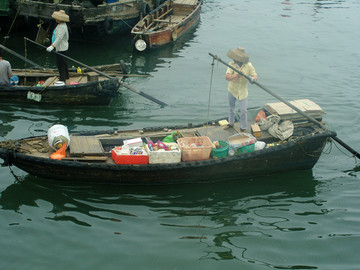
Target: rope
point(17, 178)
point(25, 52)
point(11, 26)
point(208, 112)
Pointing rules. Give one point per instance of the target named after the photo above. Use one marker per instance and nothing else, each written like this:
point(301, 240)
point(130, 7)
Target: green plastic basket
point(220, 152)
point(245, 149)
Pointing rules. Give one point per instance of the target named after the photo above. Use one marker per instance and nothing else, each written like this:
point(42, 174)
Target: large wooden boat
point(92, 157)
point(89, 20)
point(43, 87)
point(166, 24)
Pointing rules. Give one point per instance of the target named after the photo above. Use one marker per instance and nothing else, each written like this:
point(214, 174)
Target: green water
point(297, 220)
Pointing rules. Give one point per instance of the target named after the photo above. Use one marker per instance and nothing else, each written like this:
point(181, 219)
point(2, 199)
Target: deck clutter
point(163, 155)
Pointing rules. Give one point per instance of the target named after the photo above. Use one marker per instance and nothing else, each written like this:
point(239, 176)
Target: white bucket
point(59, 83)
point(57, 136)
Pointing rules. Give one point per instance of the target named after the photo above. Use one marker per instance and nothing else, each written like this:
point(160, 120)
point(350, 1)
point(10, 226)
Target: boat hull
point(87, 21)
point(155, 38)
point(90, 93)
point(296, 155)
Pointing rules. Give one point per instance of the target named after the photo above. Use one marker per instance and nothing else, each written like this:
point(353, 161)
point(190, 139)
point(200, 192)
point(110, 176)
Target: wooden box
point(256, 131)
point(92, 76)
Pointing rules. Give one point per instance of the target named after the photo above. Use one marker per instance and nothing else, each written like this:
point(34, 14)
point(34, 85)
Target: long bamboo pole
point(347, 147)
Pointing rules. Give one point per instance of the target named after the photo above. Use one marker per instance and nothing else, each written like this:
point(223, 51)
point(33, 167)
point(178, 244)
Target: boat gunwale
point(4, 154)
point(187, 19)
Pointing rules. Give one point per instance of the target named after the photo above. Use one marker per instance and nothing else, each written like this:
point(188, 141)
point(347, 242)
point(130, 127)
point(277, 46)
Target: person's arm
point(231, 75)
point(253, 73)
point(10, 73)
point(60, 33)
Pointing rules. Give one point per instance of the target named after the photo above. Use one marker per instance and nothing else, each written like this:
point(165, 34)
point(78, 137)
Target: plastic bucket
point(59, 83)
point(220, 152)
point(57, 136)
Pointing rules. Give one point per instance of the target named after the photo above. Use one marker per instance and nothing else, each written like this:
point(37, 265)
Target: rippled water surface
point(298, 220)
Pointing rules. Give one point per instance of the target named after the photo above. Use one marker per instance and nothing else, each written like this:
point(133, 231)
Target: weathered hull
point(88, 22)
point(155, 37)
point(90, 93)
point(297, 155)
point(160, 38)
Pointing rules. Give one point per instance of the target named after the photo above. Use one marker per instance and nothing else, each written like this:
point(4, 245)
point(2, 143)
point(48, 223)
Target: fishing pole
point(347, 147)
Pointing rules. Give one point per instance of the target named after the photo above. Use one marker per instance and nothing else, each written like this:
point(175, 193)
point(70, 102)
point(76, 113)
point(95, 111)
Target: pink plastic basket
point(194, 148)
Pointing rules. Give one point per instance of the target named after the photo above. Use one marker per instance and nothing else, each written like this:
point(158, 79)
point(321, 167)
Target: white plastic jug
point(57, 136)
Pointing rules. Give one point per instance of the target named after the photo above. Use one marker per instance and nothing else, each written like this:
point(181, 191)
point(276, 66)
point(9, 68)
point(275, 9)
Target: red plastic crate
point(129, 159)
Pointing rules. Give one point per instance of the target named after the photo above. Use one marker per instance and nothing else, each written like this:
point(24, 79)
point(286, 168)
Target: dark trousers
point(62, 66)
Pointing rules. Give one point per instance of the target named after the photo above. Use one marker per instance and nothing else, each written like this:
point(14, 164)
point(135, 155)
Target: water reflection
point(221, 202)
point(329, 3)
point(225, 218)
point(287, 8)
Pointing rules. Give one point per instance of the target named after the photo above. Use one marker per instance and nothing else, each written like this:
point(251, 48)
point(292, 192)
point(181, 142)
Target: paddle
point(106, 75)
point(20, 56)
point(347, 147)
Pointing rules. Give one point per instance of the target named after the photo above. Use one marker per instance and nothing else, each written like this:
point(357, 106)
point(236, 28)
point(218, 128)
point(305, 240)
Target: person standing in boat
point(238, 85)
point(60, 42)
point(5, 71)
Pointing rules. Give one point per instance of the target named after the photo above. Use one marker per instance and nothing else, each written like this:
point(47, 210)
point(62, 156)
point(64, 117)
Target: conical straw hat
point(61, 16)
point(238, 54)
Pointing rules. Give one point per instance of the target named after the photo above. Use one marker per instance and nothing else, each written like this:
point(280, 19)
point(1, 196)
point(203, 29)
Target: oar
point(107, 76)
point(20, 56)
point(347, 147)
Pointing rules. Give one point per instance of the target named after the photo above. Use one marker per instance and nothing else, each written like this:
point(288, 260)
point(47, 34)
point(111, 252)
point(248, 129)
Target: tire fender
point(123, 68)
point(144, 10)
point(108, 25)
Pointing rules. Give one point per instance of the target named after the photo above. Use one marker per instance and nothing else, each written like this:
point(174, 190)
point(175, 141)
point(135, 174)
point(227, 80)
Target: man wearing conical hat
point(238, 85)
point(60, 42)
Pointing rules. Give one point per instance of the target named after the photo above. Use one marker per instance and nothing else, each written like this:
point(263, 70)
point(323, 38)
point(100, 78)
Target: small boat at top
point(172, 154)
point(89, 20)
point(166, 24)
point(42, 86)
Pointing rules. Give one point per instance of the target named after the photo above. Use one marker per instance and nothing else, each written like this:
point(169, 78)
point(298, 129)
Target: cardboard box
point(134, 142)
point(242, 143)
point(92, 76)
point(223, 122)
point(161, 157)
point(256, 130)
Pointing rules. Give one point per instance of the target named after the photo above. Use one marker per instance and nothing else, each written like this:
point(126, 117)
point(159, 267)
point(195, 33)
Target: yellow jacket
point(239, 88)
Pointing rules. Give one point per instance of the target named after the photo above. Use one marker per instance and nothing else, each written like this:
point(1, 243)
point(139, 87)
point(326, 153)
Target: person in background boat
point(5, 71)
point(60, 42)
point(238, 85)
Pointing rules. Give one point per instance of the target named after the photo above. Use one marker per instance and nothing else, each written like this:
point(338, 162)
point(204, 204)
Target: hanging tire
point(108, 25)
point(139, 44)
point(144, 9)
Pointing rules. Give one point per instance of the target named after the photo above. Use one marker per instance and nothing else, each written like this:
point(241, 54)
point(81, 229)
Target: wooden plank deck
point(85, 146)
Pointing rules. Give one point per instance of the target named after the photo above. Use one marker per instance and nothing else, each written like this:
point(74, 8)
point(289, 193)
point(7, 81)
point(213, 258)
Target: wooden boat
point(43, 87)
point(166, 23)
point(92, 157)
point(5, 8)
point(89, 20)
